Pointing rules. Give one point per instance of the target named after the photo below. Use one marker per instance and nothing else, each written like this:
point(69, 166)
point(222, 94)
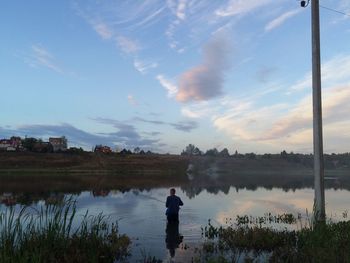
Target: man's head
point(172, 191)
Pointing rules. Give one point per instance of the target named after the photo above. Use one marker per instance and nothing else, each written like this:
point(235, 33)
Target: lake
point(141, 211)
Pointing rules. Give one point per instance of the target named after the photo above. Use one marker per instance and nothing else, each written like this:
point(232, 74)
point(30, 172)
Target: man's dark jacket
point(173, 204)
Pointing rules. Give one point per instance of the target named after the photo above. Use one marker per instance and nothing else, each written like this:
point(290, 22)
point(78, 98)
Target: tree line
point(334, 160)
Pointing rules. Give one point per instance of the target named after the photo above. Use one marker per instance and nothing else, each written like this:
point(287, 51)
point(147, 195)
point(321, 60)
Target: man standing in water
point(173, 204)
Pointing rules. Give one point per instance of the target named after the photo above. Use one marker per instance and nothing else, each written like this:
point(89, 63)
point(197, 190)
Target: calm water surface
point(141, 213)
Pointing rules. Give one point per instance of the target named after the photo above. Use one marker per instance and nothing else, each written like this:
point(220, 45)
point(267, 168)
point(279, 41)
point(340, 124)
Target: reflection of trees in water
point(28, 199)
point(100, 192)
point(211, 175)
point(286, 181)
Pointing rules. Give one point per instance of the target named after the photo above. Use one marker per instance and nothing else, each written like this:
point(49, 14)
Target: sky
point(161, 74)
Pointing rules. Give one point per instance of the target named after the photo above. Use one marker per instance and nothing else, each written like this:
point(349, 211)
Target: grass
point(254, 241)
point(49, 235)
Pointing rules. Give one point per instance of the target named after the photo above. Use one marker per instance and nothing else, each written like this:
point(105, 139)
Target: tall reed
point(250, 237)
point(53, 233)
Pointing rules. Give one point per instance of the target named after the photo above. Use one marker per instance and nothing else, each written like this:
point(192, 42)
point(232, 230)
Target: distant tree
point(224, 153)
point(137, 150)
point(28, 143)
point(142, 152)
point(284, 155)
point(197, 151)
point(237, 155)
point(191, 150)
point(125, 151)
point(212, 152)
point(267, 156)
point(75, 150)
point(251, 156)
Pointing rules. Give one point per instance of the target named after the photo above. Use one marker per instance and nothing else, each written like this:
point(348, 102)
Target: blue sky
point(162, 74)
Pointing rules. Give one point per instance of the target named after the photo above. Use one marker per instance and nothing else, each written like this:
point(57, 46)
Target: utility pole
point(319, 212)
point(319, 202)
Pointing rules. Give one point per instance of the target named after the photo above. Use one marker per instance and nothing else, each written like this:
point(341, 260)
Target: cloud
point(334, 72)
point(42, 57)
point(253, 125)
point(168, 85)
point(102, 29)
point(155, 133)
point(156, 122)
point(244, 122)
point(74, 135)
point(125, 131)
point(143, 66)
point(132, 100)
point(178, 8)
point(202, 109)
point(189, 113)
point(125, 135)
point(282, 126)
point(264, 73)
point(281, 19)
point(185, 126)
point(127, 45)
point(205, 81)
point(335, 109)
point(241, 7)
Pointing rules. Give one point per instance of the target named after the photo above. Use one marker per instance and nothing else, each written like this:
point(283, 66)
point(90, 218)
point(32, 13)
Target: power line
point(334, 10)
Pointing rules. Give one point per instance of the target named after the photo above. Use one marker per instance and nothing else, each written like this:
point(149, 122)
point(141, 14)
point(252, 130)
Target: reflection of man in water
point(173, 204)
point(173, 238)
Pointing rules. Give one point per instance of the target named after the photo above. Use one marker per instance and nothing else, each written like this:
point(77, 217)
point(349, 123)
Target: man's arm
point(181, 203)
point(167, 202)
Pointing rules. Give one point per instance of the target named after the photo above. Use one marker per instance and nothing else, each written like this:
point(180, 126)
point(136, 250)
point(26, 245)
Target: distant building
point(59, 144)
point(16, 141)
point(102, 149)
point(5, 144)
point(11, 145)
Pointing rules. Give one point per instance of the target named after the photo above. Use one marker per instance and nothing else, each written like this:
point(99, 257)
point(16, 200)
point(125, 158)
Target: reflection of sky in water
point(141, 214)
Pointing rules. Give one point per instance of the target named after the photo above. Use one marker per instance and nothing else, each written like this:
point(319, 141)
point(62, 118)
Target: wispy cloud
point(178, 7)
point(42, 57)
point(285, 126)
point(241, 7)
point(265, 73)
point(281, 19)
point(127, 45)
point(205, 81)
point(185, 126)
point(102, 29)
point(189, 113)
point(334, 71)
point(132, 101)
point(168, 85)
point(144, 66)
point(127, 134)
point(335, 109)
